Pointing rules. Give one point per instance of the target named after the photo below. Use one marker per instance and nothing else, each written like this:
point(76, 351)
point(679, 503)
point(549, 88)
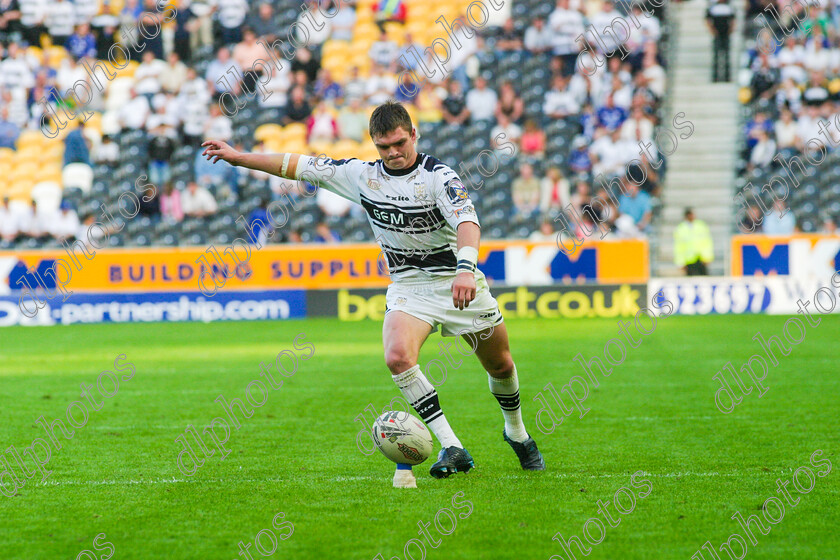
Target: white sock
point(424, 398)
point(506, 392)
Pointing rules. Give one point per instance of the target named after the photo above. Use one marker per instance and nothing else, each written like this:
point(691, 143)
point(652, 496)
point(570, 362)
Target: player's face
point(397, 147)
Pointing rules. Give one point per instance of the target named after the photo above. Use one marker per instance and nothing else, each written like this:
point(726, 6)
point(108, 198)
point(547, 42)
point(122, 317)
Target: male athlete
point(426, 225)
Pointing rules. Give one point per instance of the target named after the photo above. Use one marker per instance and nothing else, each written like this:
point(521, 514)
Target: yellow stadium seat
point(34, 51)
point(24, 171)
point(54, 151)
point(321, 147)
point(56, 55)
point(344, 149)
point(128, 71)
point(6, 154)
point(49, 172)
point(19, 190)
point(267, 131)
point(294, 131)
point(28, 138)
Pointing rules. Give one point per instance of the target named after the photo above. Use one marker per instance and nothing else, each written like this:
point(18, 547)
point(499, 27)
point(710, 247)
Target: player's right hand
point(220, 151)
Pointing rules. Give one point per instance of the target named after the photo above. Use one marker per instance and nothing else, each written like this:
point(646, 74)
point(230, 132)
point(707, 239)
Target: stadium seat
point(47, 194)
point(78, 175)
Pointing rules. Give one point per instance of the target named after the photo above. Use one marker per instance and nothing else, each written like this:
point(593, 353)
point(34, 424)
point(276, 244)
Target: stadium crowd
point(201, 78)
point(791, 94)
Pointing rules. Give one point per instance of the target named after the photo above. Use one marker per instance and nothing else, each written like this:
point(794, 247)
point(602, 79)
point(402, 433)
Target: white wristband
point(466, 259)
point(283, 169)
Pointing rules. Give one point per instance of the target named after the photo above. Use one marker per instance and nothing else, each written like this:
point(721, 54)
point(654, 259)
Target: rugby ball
point(402, 437)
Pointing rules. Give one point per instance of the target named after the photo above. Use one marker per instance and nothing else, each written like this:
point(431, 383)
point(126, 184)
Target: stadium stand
point(790, 88)
point(192, 81)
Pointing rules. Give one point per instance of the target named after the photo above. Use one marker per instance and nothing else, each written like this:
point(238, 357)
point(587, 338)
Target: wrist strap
point(283, 169)
point(467, 257)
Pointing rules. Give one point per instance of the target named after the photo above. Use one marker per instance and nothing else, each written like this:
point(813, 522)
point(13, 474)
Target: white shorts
point(431, 302)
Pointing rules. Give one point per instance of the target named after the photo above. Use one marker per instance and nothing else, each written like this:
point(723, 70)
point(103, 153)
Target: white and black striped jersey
point(414, 212)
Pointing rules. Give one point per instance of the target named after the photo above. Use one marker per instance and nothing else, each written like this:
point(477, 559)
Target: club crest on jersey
point(420, 191)
point(456, 191)
point(373, 185)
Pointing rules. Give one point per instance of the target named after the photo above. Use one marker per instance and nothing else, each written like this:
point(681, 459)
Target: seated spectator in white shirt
point(331, 204)
point(538, 37)
point(147, 75)
point(380, 86)
point(343, 21)
point(66, 224)
point(197, 202)
point(8, 222)
point(481, 101)
point(219, 126)
point(384, 51)
point(134, 113)
point(559, 101)
point(779, 220)
point(353, 120)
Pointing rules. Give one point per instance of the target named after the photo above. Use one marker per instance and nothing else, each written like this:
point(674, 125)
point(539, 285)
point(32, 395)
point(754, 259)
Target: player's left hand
point(463, 290)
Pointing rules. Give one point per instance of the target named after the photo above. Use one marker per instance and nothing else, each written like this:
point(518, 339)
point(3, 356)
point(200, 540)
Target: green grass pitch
point(297, 454)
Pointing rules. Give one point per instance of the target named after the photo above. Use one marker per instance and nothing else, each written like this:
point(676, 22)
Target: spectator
point(326, 88)
point(306, 63)
point(829, 226)
point(751, 221)
point(262, 23)
point(509, 103)
point(579, 160)
point(389, 10)
point(344, 20)
point(384, 51)
point(197, 202)
point(294, 236)
point(8, 222)
point(611, 116)
point(82, 44)
point(786, 129)
point(298, 110)
point(763, 152)
point(223, 73)
point(9, 19)
point(321, 125)
point(559, 101)
point(380, 86)
point(323, 234)
point(173, 75)
point(161, 146)
point(538, 38)
point(219, 126)
point(638, 127)
point(454, 105)
point(313, 28)
point(721, 20)
point(187, 24)
point(258, 224)
point(525, 192)
point(533, 139)
point(9, 131)
point(354, 86)
point(504, 132)
point(231, 15)
point(246, 54)
point(635, 204)
point(428, 102)
point(693, 249)
point(554, 191)
point(33, 15)
point(108, 151)
point(76, 146)
point(481, 101)
point(779, 220)
point(509, 39)
point(170, 204)
point(60, 19)
point(545, 232)
point(331, 204)
point(406, 57)
point(353, 120)
point(133, 114)
point(64, 224)
point(407, 90)
point(566, 25)
point(150, 202)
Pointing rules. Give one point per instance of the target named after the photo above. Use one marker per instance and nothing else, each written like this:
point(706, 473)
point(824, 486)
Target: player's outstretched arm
point(284, 165)
point(463, 288)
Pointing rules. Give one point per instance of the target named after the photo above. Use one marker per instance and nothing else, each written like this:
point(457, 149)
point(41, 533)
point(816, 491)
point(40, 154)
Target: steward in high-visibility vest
point(693, 248)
